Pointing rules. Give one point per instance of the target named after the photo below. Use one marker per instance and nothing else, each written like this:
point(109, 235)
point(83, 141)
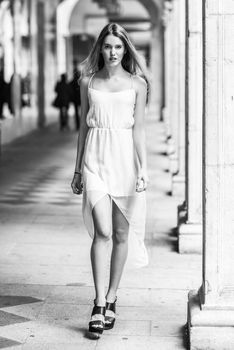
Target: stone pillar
point(173, 97)
point(41, 63)
point(156, 70)
point(170, 111)
point(163, 58)
point(190, 231)
point(211, 310)
point(16, 79)
point(178, 180)
point(50, 54)
point(34, 56)
point(167, 47)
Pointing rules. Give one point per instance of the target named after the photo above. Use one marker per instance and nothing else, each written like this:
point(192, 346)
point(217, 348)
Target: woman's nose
point(112, 51)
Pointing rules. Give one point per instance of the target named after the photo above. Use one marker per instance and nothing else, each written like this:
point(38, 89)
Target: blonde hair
point(132, 62)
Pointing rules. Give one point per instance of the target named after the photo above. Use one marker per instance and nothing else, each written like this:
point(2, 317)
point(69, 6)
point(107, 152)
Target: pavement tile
point(66, 331)
point(111, 342)
point(64, 312)
point(29, 311)
point(150, 313)
point(172, 329)
point(48, 254)
point(32, 290)
point(44, 274)
point(79, 295)
point(16, 331)
point(9, 344)
point(131, 327)
point(59, 346)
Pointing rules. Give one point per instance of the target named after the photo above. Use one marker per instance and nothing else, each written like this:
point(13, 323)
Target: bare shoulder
point(84, 82)
point(139, 83)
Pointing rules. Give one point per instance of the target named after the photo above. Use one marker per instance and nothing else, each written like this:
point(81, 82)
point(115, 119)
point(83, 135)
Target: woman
point(111, 163)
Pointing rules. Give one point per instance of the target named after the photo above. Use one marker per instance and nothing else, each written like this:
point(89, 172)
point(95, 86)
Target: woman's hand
point(77, 185)
point(142, 181)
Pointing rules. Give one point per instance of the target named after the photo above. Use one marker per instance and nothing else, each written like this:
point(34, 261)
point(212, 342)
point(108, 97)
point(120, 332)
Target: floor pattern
point(50, 186)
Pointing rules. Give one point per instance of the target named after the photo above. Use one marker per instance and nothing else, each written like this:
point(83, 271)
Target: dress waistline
point(102, 128)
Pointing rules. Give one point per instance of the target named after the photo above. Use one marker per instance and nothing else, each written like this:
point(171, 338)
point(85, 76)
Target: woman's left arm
point(139, 132)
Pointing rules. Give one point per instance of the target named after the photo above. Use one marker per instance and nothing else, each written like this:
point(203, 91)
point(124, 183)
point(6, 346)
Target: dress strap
point(131, 76)
point(90, 80)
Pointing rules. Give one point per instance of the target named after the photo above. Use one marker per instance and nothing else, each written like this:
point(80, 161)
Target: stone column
point(167, 48)
point(211, 310)
point(16, 79)
point(163, 58)
point(178, 180)
point(190, 231)
point(50, 53)
point(156, 70)
point(169, 114)
point(173, 97)
point(41, 63)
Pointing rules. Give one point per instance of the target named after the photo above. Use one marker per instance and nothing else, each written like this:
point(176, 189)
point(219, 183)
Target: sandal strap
point(99, 310)
point(97, 317)
point(110, 314)
point(111, 306)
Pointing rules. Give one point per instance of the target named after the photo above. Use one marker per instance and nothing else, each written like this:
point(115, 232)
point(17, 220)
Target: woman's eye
point(118, 47)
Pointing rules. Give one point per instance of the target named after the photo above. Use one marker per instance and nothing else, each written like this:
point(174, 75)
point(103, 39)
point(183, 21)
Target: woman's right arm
point(76, 182)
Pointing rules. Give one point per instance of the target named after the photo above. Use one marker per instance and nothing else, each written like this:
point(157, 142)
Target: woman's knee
point(120, 235)
point(103, 234)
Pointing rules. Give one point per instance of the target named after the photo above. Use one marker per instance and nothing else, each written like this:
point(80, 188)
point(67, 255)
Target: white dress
point(110, 165)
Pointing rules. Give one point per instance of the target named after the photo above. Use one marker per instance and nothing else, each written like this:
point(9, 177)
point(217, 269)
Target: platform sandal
point(97, 322)
point(110, 315)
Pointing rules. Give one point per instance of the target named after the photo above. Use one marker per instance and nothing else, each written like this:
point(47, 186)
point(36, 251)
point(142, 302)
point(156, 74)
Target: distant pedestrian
point(75, 96)
point(10, 95)
point(3, 92)
point(62, 100)
point(111, 168)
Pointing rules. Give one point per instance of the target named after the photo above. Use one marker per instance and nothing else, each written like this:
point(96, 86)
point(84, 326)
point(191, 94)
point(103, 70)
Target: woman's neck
point(113, 72)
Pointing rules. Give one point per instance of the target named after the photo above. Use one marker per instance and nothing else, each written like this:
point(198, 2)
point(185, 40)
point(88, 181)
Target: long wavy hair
point(132, 61)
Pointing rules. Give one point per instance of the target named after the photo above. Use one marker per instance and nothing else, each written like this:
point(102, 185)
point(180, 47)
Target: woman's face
point(113, 50)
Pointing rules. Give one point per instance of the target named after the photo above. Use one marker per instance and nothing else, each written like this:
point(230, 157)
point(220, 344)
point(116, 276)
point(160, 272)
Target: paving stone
point(32, 290)
point(64, 312)
point(112, 342)
point(47, 254)
point(76, 294)
point(17, 332)
point(68, 332)
point(59, 346)
point(129, 327)
point(9, 343)
point(28, 311)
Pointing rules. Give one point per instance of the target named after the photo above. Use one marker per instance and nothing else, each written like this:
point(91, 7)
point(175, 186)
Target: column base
point(178, 185)
point(181, 214)
point(209, 328)
point(190, 238)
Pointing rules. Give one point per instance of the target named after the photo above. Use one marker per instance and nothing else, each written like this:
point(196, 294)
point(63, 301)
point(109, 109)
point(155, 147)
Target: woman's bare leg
point(119, 251)
point(99, 250)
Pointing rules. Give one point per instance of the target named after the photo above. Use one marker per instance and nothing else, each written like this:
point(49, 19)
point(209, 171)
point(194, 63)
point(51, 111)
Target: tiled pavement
point(46, 287)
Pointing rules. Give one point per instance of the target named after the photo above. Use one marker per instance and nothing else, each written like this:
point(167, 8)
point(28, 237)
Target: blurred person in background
point(111, 166)
point(3, 94)
point(75, 96)
point(62, 101)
